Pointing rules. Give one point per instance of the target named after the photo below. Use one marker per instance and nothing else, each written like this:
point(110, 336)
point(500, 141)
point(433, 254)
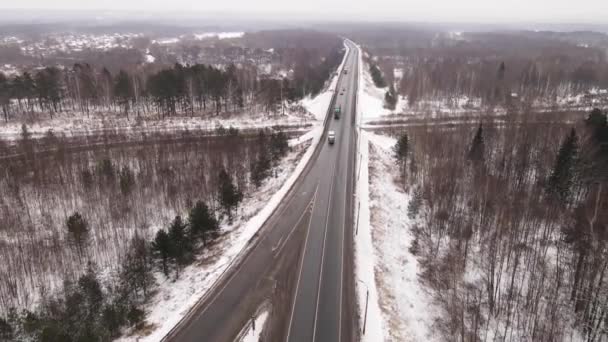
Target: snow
point(407, 311)
point(150, 58)
point(367, 293)
point(392, 302)
point(254, 331)
point(219, 35)
point(175, 299)
point(371, 98)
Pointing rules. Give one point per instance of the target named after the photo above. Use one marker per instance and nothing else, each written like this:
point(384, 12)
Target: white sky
point(433, 10)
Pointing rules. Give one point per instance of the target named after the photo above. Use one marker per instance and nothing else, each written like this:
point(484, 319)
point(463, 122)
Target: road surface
point(301, 262)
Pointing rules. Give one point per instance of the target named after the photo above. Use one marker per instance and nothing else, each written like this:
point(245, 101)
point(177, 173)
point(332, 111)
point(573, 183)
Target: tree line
point(510, 226)
point(179, 90)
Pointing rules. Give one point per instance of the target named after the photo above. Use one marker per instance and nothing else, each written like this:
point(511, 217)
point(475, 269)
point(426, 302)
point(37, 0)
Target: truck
point(331, 137)
point(337, 112)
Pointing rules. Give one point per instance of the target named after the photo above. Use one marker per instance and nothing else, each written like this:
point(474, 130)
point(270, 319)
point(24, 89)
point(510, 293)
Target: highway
point(300, 264)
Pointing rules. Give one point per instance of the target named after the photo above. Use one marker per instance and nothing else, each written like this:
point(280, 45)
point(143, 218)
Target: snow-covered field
point(80, 125)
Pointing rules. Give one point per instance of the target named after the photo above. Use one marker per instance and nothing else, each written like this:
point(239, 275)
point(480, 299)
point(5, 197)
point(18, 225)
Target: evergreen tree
point(377, 76)
point(181, 246)
point(123, 90)
point(161, 248)
point(476, 152)
point(136, 269)
point(126, 180)
point(415, 203)
point(6, 330)
point(90, 288)
point(230, 195)
point(563, 175)
point(202, 221)
point(279, 145)
point(401, 150)
point(78, 231)
point(390, 98)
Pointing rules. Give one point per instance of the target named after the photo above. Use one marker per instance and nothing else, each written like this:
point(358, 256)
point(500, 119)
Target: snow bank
point(367, 294)
point(407, 310)
point(254, 330)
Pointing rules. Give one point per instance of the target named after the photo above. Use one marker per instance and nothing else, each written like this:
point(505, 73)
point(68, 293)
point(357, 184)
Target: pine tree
point(401, 150)
point(563, 175)
point(279, 145)
point(78, 231)
point(123, 90)
point(126, 180)
point(181, 246)
point(136, 269)
point(6, 330)
point(91, 290)
point(476, 152)
point(415, 203)
point(230, 196)
point(202, 221)
point(161, 248)
point(390, 98)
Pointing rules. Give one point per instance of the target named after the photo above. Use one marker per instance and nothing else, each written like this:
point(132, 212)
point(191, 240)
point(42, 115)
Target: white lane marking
point(241, 264)
point(331, 188)
point(308, 207)
point(295, 297)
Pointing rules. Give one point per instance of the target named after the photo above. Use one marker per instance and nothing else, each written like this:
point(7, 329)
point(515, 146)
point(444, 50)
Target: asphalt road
point(300, 264)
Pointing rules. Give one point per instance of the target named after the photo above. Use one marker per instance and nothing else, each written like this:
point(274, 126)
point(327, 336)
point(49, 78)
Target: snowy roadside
point(393, 305)
point(408, 312)
point(175, 299)
point(252, 332)
point(370, 318)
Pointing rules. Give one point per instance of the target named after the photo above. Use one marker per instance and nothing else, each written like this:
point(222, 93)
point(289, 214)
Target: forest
point(161, 89)
point(511, 226)
point(511, 70)
point(86, 234)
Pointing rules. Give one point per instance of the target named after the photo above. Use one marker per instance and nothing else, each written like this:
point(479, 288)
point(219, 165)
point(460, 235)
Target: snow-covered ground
point(175, 299)
point(407, 310)
point(219, 35)
point(253, 331)
point(70, 124)
point(392, 302)
point(371, 98)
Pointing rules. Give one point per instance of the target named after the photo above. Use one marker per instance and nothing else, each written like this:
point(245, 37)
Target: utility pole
point(282, 106)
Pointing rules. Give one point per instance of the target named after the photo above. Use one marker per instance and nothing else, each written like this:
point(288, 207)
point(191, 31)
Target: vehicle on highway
point(337, 112)
point(345, 71)
point(331, 137)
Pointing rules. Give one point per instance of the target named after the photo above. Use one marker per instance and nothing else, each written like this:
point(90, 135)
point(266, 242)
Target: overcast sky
point(595, 11)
